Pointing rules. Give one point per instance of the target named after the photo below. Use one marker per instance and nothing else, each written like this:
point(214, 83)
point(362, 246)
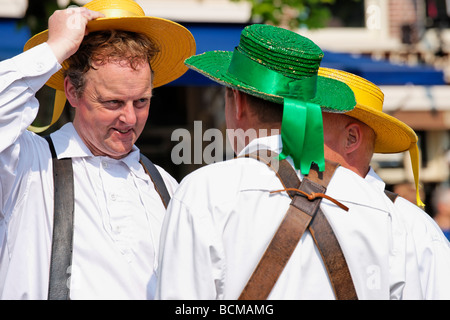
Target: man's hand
point(66, 30)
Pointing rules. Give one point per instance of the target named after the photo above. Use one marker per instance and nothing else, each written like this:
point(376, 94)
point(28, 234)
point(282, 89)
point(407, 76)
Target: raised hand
point(66, 29)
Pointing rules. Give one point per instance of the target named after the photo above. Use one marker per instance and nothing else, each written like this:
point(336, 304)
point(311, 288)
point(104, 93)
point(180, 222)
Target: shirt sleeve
point(432, 251)
point(20, 78)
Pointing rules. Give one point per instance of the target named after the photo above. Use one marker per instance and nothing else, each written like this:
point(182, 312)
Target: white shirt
point(118, 213)
point(222, 217)
point(425, 251)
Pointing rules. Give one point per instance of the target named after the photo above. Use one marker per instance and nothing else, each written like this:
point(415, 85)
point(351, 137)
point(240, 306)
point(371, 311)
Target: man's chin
point(118, 153)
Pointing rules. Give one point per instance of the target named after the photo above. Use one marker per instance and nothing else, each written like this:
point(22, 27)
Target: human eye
point(113, 104)
point(142, 102)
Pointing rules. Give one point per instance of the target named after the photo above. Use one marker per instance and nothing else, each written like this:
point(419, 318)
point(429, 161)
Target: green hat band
point(269, 81)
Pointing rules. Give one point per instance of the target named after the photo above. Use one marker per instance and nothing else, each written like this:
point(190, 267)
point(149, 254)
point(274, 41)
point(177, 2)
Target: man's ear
point(239, 102)
point(353, 137)
point(70, 92)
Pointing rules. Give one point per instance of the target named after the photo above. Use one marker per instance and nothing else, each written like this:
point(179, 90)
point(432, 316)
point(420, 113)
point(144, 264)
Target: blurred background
point(402, 46)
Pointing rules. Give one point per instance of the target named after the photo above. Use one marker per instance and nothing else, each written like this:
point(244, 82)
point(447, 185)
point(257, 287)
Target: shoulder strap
point(391, 195)
point(157, 179)
point(61, 255)
point(302, 214)
point(327, 243)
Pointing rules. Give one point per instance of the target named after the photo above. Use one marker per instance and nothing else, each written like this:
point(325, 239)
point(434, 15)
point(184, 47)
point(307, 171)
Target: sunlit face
point(113, 109)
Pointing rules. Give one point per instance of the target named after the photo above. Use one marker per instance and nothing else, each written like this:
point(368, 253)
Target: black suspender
point(61, 256)
point(158, 181)
point(62, 246)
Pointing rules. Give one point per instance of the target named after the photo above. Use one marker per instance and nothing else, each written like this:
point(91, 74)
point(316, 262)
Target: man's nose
point(128, 114)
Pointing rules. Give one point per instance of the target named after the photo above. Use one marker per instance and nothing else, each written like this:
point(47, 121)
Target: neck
point(361, 170)
point(241, 137)
point(355, 162)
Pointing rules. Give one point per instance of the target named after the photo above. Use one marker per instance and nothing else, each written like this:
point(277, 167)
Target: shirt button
point(105, 164)
point(113, 196)
point(39, 66)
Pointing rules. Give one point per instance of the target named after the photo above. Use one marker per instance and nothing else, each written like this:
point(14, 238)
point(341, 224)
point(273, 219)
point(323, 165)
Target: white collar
point(374, 179)
point(273, 143)
point(68, 144)
point(265, 143)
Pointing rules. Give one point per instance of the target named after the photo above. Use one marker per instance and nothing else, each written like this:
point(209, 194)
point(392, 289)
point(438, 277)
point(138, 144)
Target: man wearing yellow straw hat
point(85, 215)
point(221, 225)
point(351, 139)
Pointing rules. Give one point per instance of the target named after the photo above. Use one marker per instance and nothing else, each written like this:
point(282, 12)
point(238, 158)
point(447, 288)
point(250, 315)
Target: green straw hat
point(282, 66)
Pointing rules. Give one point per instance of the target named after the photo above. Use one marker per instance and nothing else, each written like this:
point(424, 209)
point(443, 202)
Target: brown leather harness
point(304, 213)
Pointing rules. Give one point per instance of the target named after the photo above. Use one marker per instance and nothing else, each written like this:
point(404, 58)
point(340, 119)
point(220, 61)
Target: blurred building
point(401, 45)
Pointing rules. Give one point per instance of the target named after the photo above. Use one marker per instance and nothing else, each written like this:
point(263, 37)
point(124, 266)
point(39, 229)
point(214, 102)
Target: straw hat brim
point(175, 44)
point(392, 135)
point(214, 65)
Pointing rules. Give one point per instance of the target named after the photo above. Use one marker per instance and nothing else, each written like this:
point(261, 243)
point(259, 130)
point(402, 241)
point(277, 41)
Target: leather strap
point(62, 242)
point(62, 245)
point(391, 195)
point(279, 251)
point(328, 245)
point(302, 214)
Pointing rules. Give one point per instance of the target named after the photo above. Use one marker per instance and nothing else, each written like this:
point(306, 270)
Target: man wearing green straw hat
point(92, 227)
point(223, 216)
point(422, 253)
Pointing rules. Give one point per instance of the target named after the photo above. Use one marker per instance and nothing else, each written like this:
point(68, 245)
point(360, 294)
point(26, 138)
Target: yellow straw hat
point(392, 135)
point(175, 43)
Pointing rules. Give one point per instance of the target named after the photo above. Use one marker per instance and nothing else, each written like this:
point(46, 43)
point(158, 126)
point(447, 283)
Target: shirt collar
point(68, 144)
point(336, 187)
point(374, 179)
point(270, 142)
point(273, 143)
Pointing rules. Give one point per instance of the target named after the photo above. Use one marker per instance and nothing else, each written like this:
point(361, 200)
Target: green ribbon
point(302, 127)
point(302, 134)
